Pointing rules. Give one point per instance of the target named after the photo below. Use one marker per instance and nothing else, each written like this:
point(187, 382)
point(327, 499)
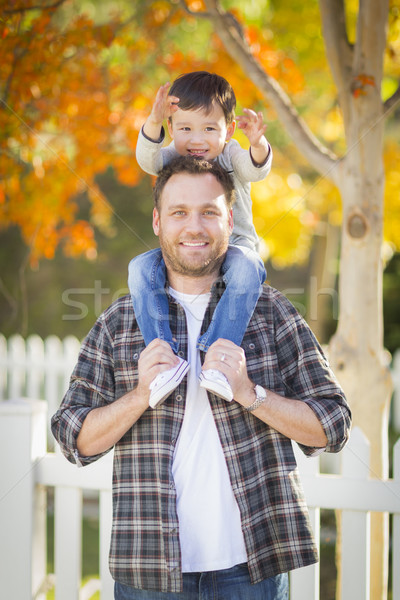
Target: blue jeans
point(243, 273)
point(228, 584)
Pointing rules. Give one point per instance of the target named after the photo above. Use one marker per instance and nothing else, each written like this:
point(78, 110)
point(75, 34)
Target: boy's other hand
point(252, 125)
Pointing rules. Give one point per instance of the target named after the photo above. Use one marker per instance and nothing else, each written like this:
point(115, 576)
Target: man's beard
point(192, 266)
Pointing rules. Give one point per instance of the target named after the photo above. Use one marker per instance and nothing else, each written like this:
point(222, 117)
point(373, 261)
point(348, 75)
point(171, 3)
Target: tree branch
point(322, 159)
point(201, 13)
point(392, 102)
point(18, 54)
point(19, 9)
point(339, 52)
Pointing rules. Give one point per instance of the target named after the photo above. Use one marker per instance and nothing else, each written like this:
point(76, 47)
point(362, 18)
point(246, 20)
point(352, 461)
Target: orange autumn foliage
point(73, 96)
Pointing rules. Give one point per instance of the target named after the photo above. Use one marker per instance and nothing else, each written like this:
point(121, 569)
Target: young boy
point(200, 113)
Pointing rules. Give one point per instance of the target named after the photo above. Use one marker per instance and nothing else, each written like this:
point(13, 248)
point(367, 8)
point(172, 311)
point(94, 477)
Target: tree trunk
point(356, 350)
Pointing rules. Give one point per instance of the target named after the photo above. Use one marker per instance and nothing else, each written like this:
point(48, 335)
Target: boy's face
point(199, 133)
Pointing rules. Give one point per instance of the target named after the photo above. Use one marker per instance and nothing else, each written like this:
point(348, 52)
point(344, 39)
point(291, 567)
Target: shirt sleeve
point(237, 159)
point(151, 155)
point(308, 377)
point(91, 386)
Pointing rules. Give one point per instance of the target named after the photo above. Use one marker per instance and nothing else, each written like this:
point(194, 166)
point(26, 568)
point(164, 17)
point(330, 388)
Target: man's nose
point(194, 224)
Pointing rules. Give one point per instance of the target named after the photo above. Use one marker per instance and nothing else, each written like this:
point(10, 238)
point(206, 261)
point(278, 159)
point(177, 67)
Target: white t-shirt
point(210, 529)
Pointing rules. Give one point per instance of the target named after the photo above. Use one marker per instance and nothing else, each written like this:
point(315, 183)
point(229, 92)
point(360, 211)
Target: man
point(207, 499)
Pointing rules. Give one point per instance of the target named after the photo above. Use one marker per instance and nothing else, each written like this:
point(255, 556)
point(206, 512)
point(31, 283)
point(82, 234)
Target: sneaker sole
point(216, 389)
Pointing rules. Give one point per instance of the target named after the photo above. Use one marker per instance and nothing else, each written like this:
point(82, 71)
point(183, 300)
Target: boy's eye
point(184, 128)
point(210, 128)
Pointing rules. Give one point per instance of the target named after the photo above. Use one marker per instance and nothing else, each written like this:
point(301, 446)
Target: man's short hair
point(201, 90)
point(193, 166)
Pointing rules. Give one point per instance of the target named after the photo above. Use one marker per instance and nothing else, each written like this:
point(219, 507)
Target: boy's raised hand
point(252, 125)
point(164, 106)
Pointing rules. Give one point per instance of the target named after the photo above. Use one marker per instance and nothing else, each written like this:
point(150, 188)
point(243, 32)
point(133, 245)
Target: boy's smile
point(200, 133)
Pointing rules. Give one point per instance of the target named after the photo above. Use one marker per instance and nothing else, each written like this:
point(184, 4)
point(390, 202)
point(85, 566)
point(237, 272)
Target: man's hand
point(155, 358)
point(224, 356)
point(291, 417)
point(164, 106)
point(253, 127)
point(104, 426)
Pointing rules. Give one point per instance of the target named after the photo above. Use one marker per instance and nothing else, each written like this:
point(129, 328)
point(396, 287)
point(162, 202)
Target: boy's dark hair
point(201, 89)
point(193, 166)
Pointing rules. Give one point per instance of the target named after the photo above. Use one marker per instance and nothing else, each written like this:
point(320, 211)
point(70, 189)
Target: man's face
point(198, 133)
point(193, 225)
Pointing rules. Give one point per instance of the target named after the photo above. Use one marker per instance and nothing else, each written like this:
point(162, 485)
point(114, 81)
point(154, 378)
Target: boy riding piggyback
point(199, 109)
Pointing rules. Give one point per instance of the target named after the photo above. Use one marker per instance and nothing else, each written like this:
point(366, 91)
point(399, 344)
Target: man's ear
point(230, 131)
point(156, 221)
point(230, 220)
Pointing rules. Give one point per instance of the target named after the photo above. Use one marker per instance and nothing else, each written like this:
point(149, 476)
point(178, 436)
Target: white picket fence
point(36, 369)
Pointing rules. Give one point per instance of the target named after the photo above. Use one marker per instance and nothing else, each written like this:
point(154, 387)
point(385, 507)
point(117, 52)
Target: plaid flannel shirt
point(282, 355)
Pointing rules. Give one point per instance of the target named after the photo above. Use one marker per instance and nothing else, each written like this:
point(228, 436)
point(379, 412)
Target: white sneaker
point(216, 382)
point(166, 382)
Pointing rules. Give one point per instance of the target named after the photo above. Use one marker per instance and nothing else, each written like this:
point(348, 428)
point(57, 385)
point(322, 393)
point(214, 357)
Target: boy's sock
point(166, 382)
point(216, 382)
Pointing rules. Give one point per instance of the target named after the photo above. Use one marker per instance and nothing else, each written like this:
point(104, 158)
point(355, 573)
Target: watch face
point(260, 392)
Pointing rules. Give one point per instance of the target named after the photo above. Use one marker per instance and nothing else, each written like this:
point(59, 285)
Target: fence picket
point(105, 517)
point(396, 529)
point(3, 368)
point(68, 540)
point(355, 543)
point(304, 583)
point(396, 390)
point(71, 346)
point(34, 375)
point(16, 367)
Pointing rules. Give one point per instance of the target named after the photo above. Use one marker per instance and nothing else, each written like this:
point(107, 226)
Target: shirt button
point(135, 356)
point(179, 398)
point(252, 346)
point(180, 354)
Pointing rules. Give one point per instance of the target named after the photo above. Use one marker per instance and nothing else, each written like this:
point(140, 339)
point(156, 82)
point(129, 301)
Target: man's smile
point(197, 244)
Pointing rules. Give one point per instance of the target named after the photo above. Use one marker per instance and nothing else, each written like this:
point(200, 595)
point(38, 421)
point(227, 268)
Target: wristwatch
point(261, 396)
